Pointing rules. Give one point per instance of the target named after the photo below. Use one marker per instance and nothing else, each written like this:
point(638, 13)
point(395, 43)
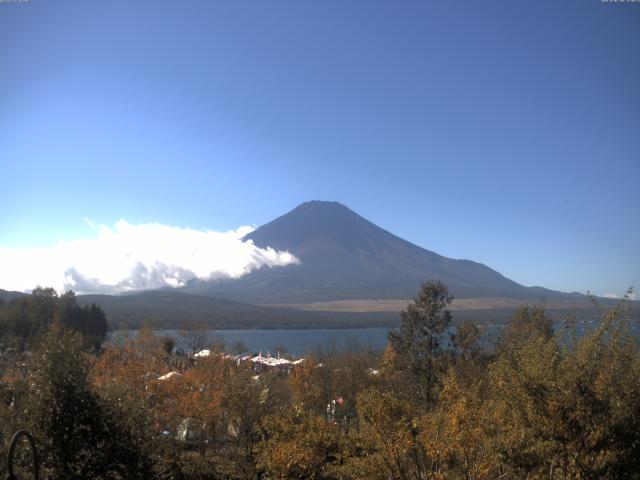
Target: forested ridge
point(25, 318)
point(539, 404)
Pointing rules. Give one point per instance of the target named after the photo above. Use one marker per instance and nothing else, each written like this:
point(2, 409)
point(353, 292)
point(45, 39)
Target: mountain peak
point(321, 207)
point(323, 223)
point(345, 256)
point(322, 204)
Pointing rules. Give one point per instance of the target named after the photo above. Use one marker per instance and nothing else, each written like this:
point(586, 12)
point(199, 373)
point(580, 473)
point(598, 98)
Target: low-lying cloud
point(629, 295)
point(129, 257)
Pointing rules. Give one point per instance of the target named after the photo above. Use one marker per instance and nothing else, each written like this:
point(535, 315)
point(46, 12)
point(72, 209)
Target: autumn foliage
point(438, 403)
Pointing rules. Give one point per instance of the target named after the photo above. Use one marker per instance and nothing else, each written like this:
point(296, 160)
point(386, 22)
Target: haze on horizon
point(499, 132)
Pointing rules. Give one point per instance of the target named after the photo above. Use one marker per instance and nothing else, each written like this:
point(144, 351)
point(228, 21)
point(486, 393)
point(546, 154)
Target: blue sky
point(503, 132)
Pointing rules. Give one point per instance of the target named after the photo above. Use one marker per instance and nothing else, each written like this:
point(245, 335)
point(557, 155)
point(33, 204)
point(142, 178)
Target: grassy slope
point(170, 308)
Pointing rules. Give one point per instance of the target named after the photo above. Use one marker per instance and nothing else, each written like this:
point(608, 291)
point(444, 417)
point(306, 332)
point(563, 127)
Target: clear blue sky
point(504, 132)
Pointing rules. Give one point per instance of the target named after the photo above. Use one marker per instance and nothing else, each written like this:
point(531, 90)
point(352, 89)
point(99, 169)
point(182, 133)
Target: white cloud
point(136, 257)
point(631, 296)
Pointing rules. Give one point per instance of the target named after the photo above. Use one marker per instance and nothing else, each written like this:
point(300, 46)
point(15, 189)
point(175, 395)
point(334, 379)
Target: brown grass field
point(380, 305)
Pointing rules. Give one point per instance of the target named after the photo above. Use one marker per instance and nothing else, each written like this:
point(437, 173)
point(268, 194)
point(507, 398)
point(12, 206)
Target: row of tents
point(259, 361)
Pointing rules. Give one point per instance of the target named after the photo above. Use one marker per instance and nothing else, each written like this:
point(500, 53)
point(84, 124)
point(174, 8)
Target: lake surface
point(301, 342)
point(294, 342)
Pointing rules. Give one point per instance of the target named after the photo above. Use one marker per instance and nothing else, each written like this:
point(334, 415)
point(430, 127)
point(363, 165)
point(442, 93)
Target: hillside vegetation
point(542, 405)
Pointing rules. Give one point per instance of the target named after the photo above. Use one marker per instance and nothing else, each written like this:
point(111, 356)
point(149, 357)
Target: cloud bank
point(136, 257)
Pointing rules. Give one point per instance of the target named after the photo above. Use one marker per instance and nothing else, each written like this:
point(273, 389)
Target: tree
point(241, 402)
point(569, 410)
point(310, 386)
point(420, 335)
point(390, 429)
point(195, 335)
point(297, 445)
point(27, 318)
point(124, 375)
point(168, 344)
point(80, 436)
point(89, 320)
point(526, 324)
point(466, 340)
point(465, 428)
point(469, 360)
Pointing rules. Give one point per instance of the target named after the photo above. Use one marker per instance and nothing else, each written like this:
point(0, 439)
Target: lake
point(297, 342)
point(301, 342)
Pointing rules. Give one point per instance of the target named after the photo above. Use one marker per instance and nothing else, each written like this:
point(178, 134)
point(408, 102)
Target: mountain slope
point(6, 295)
point(171, 308)
point(344, 256)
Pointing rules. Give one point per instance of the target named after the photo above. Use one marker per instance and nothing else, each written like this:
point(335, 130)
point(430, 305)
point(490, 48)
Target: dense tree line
point(538, 405)
point(25, 319)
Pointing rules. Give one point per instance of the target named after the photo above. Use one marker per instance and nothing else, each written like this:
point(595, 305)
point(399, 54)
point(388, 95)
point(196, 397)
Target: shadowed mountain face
point(344, 256)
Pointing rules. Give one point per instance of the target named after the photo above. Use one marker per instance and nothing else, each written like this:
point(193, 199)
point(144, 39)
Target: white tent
point(170, 375)
point(259, 359)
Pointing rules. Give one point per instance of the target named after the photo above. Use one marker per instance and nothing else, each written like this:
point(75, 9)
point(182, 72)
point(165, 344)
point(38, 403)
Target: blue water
point(301, 342)
point(294, 342)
